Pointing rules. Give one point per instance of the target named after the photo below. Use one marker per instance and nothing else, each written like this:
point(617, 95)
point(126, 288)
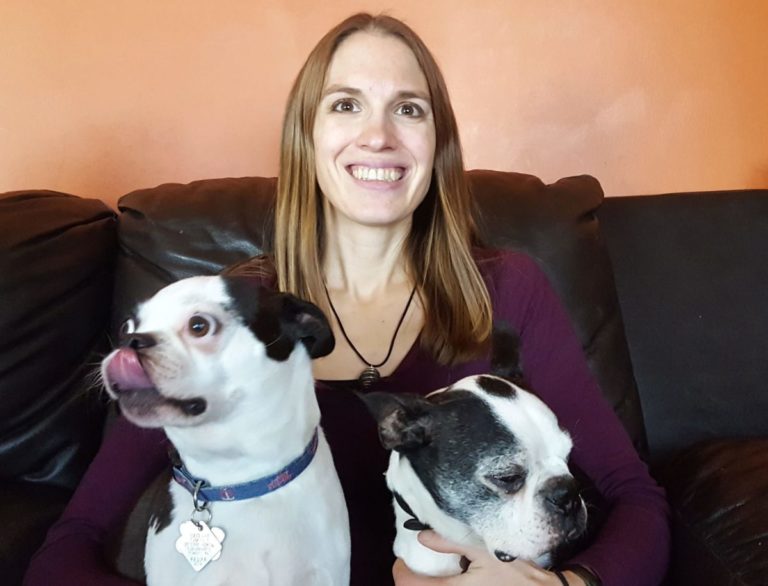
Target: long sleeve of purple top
point(72, 555)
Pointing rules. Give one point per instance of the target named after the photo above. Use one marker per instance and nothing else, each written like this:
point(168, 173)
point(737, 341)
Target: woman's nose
point(377, 133)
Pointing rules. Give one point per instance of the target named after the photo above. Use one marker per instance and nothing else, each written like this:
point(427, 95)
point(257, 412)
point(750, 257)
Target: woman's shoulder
point(498, 265)
point(515, 281)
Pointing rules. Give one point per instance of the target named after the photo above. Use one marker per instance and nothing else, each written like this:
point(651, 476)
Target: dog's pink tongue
point(125, 371)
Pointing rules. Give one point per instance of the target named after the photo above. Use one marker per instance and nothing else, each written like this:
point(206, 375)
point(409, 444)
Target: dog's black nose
point(139, 341)
point(562, 496)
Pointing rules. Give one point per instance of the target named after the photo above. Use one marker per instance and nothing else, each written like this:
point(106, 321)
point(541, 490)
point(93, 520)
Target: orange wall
point(98, 98)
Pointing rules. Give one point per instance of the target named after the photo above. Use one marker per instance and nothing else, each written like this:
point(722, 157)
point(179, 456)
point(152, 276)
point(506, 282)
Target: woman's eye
point(410, 110)
point(201, 325)
point(344, 106)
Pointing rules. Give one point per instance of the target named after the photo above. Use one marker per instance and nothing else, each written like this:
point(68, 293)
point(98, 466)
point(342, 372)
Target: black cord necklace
point(370, 373)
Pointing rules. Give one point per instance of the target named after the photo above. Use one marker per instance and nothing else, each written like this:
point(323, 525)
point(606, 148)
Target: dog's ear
point(280, 320)
point(405, 422)
point(304, 322)
point(505, 353)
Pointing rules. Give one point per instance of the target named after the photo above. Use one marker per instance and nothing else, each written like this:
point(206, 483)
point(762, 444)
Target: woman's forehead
point(370, 60)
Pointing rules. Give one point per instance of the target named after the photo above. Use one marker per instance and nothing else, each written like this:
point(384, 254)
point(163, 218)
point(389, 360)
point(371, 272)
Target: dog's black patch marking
point(259, 309)
point(497, 387)
point(152, 512)
point(445, 396)
point(162, 507)
point(468, 432)
point(279, 320)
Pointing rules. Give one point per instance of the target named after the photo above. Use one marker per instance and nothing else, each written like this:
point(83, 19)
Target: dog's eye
point(201, 325)
point(509, 483)
point(128, 327)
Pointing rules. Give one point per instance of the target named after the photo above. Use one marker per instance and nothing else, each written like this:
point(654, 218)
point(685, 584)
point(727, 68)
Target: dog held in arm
point(224, 367)
point(483, 462)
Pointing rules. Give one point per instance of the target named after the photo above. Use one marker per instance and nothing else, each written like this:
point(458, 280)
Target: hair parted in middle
point(438, 249)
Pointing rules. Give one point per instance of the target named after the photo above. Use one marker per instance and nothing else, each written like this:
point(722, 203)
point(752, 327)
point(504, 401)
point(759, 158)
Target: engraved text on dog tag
point(199, 543)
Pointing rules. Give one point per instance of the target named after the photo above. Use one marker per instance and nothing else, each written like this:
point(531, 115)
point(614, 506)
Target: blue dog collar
point(202, 490)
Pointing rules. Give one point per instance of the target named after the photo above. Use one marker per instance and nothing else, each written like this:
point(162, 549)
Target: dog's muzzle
point(125, 372)
point(129, 383)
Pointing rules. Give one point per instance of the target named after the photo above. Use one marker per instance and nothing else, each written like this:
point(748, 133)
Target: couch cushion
point(718, 490)
point(174, 231)
point(692, 274)
point(56, 258)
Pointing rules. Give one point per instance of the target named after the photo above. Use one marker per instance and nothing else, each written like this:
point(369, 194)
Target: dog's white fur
point(261, 415)
point(519, 526)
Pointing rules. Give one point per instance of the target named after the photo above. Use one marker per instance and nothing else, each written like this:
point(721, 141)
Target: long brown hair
point(438, 250)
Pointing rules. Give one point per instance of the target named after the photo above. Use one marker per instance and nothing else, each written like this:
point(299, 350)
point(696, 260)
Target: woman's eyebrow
point(341, 89)
point(410, 95)
point(401, 95)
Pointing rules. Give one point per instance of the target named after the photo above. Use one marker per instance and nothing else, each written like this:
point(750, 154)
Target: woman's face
point(374, 133)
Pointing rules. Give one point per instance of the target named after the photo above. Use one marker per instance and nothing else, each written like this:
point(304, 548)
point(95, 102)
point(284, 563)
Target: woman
point(374, 224)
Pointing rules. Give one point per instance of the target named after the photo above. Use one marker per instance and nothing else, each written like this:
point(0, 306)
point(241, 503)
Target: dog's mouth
point(129, 383)
point(145, 403)
point(125, 372)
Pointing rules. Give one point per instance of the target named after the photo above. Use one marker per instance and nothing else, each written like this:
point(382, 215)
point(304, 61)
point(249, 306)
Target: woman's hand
point(483, 570)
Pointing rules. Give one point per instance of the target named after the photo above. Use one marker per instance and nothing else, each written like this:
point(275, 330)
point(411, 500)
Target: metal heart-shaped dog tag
point(199, 543)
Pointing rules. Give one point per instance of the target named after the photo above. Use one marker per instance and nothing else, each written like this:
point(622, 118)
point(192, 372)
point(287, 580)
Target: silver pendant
point(199, 543)
point(369, 376)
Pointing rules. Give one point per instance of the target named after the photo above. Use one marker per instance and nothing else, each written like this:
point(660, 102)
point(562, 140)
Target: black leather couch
point(667, 293)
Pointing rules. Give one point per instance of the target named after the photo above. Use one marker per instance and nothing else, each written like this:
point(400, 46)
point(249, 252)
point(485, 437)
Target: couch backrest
point(174, 231)
point(692, 277)
point(56, 259)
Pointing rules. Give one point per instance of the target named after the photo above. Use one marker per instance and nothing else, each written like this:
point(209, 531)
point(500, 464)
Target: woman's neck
point(369, 286)
point(364, 261)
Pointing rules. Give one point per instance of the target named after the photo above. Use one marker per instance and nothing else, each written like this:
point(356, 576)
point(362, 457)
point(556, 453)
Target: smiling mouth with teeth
point(386, 174)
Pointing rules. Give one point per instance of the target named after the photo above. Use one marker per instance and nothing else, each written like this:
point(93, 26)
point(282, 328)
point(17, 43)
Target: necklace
point(370, 373)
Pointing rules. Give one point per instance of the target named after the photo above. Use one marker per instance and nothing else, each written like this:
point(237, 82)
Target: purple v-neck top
point(630, 549)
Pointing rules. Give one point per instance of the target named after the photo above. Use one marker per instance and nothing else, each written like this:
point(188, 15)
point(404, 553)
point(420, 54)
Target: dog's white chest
point(294, 536)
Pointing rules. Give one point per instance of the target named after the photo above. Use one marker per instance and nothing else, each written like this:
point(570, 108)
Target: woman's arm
point(632, 546)
point(72, 554)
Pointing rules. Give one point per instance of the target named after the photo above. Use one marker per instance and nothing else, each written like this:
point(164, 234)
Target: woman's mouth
point(381, 174)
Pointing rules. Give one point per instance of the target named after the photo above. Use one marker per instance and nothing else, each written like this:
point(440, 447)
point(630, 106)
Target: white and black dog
point(224, 367)
point(483, 463)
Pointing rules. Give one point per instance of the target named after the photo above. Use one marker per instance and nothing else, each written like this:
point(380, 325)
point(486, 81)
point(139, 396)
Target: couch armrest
point(718, 491)
point(56, 259)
